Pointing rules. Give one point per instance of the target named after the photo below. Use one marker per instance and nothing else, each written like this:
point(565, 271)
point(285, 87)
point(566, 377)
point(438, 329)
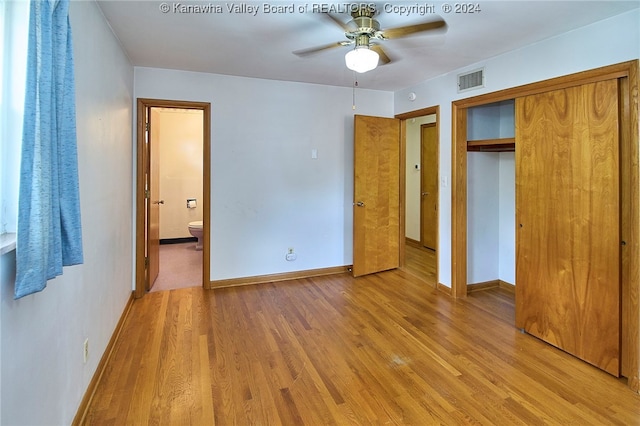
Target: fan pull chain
point(355, 84)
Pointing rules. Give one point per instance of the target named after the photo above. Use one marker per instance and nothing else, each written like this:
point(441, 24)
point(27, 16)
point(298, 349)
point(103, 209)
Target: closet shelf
point(492, 145)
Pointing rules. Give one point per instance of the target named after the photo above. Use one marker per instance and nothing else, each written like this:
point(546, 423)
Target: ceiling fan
point(364, 32)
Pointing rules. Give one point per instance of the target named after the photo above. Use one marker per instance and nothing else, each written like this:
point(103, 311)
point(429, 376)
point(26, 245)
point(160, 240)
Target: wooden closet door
point(568, 219)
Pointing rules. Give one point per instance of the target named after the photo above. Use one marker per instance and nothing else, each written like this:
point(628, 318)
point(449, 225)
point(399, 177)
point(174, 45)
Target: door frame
point(432, 110)
point(627, 75)
point(142, 105)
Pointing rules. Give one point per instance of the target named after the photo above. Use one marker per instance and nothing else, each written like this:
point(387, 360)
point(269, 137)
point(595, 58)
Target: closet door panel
point(568, 219)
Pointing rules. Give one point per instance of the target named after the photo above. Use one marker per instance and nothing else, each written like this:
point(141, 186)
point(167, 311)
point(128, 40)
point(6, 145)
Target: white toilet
point(195, 229)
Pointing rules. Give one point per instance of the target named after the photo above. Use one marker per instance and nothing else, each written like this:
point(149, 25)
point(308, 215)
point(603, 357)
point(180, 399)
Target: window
point(14, 25)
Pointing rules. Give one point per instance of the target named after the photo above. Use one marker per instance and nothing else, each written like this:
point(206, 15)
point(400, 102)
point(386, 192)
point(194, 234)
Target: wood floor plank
point(207, 415)
point(380, 349)
point(142, 395)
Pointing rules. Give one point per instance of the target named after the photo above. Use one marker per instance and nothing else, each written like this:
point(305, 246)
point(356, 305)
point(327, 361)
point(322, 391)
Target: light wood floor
point(380, 349)
point(420, 261)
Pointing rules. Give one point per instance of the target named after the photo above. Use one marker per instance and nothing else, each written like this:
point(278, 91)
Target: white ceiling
point(261, 45)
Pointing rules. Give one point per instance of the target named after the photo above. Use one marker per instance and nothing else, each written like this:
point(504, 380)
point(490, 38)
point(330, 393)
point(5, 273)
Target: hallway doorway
point(420, 141)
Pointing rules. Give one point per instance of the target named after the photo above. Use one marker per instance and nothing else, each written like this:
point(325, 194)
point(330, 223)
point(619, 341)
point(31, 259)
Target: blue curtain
point(49, 229)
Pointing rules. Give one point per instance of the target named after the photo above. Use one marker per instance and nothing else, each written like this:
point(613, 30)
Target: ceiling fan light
point(361, 59)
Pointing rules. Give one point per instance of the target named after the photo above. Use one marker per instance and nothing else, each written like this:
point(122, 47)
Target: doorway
point(176, 138)
point(150, 201)
point(420, 144)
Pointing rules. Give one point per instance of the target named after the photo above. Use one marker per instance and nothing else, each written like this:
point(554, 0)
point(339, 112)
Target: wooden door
point(154, 202)
point(568, 219)
point(376, 211)
point(429, 185)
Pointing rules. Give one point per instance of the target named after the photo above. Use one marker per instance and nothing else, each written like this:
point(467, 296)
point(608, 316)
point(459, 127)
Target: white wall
point(483, 203)
point(412, 186)
point(493, 121)
point(491, 217)
point(179, 134)
point(42, 374)
point(507, 218)
point(607, 42)
point(267, 193)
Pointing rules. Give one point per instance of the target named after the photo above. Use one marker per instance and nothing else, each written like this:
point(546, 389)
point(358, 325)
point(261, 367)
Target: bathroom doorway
point(172, 195)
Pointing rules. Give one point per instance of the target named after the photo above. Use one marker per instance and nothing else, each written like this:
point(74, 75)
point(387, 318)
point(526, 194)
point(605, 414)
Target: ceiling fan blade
point(384, 59)
point(318, 49)
point(348, 27)
point(412, 29)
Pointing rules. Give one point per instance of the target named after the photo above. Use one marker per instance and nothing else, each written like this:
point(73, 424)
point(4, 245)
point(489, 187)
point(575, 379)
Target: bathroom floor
point(180, 267)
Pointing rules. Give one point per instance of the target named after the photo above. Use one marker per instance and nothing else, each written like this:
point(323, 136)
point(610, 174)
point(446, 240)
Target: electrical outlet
point(85, 350)
point(290, 254)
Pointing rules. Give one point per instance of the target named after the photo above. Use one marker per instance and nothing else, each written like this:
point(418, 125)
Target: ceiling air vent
point(471, 80)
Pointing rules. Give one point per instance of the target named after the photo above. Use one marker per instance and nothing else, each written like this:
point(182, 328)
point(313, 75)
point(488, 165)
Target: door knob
point(159, 202)
point(360, 204)
point(425, 193)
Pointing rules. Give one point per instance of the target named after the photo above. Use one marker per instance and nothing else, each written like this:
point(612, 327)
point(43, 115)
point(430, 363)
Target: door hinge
point(146, 262)
point(147, 126)
point(147, 194)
